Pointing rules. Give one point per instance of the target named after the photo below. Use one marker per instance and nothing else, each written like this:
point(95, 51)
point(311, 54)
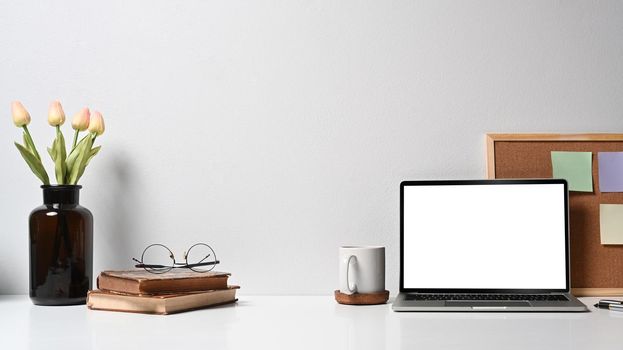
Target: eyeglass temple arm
point(203, 264)
point(140, 264)
point(186, 257)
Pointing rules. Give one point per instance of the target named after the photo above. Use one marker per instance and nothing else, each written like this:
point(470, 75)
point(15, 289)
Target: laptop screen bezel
point(403, 184)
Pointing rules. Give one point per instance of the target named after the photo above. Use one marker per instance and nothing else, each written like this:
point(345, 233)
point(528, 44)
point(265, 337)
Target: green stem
point(34, 150)
point(75, 140)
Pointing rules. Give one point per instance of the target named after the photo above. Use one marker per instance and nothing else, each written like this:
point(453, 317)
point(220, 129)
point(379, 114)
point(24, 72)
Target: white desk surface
point(301, 323)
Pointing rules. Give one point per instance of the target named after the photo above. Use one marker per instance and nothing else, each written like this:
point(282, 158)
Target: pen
point(614, 305)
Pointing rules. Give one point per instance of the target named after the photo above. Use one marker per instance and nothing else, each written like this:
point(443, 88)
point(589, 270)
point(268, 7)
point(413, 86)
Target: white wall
point(279, 130)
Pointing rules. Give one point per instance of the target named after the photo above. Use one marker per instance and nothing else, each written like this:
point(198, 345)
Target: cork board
point(596, 269)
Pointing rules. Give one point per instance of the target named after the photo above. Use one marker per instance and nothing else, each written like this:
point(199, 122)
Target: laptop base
point(571, 305)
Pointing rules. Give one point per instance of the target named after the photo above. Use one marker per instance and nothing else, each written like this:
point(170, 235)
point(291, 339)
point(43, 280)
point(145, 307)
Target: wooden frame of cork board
point(596, 269)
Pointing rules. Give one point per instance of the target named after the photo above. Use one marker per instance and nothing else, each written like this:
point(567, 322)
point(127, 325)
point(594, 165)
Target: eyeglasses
point(158, 258)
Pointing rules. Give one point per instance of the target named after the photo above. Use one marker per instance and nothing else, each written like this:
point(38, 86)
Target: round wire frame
point(202, 265)
point(158, 268)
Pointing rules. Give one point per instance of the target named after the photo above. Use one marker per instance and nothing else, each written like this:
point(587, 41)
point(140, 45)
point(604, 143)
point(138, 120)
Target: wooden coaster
point(362, 299)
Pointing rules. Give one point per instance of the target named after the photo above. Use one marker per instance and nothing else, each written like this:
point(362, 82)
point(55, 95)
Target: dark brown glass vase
point(61, 248)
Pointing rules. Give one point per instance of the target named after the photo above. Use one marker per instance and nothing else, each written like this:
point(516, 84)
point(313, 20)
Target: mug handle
point(352, 289)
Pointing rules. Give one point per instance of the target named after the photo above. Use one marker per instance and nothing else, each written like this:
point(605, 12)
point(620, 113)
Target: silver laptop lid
point(484, 236)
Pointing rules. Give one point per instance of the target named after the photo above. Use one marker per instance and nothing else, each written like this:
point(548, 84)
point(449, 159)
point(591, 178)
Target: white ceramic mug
point(362, 269)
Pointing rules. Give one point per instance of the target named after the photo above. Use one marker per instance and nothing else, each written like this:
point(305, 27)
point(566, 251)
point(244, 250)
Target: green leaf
point(52, 153)
point(72, 175)
point(93, 153)
point(71, 159)
point(52, 150)
point(30, 144)
point(34, 163)
point(80, 162)
point(60, 166)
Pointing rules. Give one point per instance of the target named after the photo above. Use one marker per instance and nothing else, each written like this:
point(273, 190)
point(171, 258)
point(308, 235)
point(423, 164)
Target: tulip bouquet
point(68, 168)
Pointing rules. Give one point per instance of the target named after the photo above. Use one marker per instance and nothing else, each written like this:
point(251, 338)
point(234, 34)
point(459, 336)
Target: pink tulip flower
point(96, 124)
point(81, 120)
point(21, 117)
point(56, 115)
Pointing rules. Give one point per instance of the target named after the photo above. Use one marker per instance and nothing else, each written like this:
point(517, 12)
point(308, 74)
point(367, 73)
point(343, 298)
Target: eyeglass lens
point(157, 258)
point(201, 258)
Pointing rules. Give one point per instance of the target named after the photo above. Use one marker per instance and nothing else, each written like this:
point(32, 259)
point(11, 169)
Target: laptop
point(485, 245)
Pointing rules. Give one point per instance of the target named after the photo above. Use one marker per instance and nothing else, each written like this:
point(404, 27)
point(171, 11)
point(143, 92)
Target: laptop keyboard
point(529, 297)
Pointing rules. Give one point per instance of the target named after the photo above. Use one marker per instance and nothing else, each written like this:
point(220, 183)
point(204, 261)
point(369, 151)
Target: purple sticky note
point(610, 171)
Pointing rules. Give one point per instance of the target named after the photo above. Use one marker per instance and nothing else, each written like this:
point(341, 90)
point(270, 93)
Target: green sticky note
point(576, 168)
point(611, 223)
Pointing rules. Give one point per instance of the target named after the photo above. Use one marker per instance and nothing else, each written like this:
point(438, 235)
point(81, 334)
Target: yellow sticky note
point(611, 223)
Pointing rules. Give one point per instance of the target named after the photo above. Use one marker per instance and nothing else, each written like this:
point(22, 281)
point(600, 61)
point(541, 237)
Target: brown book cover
point(159, 304)
point(141, 282)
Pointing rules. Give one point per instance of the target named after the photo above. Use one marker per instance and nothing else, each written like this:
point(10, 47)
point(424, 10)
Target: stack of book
point(174, 291)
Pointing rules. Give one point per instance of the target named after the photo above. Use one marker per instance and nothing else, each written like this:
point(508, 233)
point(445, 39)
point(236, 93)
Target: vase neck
point(61, 194)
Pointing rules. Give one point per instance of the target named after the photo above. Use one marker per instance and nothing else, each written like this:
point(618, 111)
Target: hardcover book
point(159, 304)
point(141, 282)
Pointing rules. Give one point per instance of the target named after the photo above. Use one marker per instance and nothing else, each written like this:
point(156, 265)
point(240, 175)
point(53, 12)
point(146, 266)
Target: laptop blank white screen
point(502, 236)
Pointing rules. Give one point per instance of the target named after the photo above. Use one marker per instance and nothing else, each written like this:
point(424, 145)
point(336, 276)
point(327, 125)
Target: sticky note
point(576, 168)
point(610, 171)
point(611, 223)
